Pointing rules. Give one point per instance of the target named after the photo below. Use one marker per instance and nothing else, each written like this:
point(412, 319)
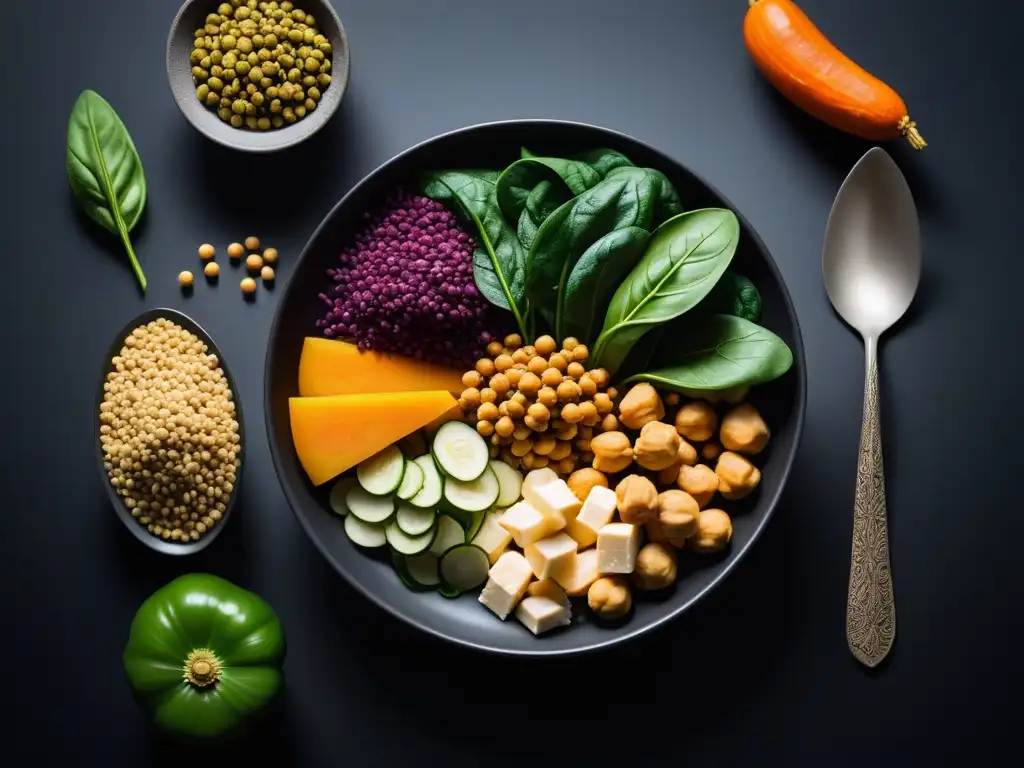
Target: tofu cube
point(526, 523)
point(506, 583)
point(537, 477)
point(553, 500)
point(550, 589)
point(553, 557)
point(598, 510)
point(542, 614)
point(617, 545)
point(584, 573)
point(492, 538)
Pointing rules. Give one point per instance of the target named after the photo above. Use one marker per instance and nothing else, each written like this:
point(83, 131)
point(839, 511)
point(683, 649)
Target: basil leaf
point(735, 295)
point(684, 259)
point(499, 263)
point(626, 200)
point(718, 352)
point(603, 160)
point(594, 279)
point(105, 171)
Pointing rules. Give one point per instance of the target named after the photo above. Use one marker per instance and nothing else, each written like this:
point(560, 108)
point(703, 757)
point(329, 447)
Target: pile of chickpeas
point(538, 404)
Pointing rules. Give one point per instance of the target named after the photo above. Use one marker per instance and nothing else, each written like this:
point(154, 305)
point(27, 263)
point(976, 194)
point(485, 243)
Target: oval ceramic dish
point(464, 620)
point(190, 17)
point(151, 541)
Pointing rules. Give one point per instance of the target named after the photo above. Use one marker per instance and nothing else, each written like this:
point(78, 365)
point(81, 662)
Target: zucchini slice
point(460, 451)
point(369, 535)
point(412, 481)
point(510, 483)
point(464, 567)
point(423, 569)
point(367, 507)
point(338, 493)
point(414, 521)
point(449, 534)
point(408, 545)
point(381, 474)
point(473, 495)
point(429, 494)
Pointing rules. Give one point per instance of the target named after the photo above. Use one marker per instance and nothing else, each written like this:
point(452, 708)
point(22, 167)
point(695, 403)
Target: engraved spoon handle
point(870, 608)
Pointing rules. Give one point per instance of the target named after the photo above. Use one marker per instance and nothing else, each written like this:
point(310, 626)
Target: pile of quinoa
point(406, 285)
point(169, 433)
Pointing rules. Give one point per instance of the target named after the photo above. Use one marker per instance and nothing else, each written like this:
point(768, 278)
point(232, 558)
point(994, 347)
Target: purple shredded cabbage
point(406, 285)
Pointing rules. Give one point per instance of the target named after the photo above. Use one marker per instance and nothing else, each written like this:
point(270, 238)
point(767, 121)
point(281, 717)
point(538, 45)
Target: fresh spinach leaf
point(667, 202)
point(516, 182)
point(717, 352)
point(733, 294)
point(627, 200)
point(105, 171)
point(603, 160)
point(543, 200)
point(684, 259)
point(499, 262)
point(594, 279)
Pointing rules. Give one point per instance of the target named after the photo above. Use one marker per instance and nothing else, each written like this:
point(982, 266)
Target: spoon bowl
point(871, 260)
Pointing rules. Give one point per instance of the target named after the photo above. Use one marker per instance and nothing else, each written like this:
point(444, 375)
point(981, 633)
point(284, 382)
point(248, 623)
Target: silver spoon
point(871, 265)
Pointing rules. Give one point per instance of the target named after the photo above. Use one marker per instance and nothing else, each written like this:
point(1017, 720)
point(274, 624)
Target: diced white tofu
point(584, 573)
point(553, 557)
point(492, 538)
point(553, 500)
point(550, 589)
point(542, 614)
point(617, 545)
point(598, 510)
point(526, 523)
point(506, 583)
point(537, 477)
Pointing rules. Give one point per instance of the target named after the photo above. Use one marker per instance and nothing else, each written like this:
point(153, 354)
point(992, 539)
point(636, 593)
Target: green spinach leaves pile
point(595, 247)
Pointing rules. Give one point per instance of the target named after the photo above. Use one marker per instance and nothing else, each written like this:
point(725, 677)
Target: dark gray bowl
point(140, 533)
point(191, 16)
point(464, 620)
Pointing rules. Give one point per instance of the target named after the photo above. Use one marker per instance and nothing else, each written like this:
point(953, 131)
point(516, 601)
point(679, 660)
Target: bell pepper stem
point(202, 668)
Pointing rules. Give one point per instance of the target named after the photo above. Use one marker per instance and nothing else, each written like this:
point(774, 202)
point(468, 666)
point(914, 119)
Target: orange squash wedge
point(333, 434)
point(329, 367)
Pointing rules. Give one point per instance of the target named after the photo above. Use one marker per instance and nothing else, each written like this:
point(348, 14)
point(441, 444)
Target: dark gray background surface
point(761, 669)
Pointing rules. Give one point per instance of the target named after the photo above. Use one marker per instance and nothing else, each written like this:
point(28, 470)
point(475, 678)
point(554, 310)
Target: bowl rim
point(167, 547)
point(626, 632)
point(339, 79)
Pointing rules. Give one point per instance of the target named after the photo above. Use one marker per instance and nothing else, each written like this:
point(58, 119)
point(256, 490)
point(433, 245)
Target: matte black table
point(760, 669)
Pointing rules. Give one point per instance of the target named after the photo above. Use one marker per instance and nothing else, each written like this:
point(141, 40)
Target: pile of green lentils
point(260, 65)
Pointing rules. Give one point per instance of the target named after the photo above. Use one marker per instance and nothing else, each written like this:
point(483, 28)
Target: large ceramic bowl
point(464, 620)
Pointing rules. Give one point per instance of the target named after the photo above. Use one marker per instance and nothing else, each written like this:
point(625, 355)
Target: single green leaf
point(499, 262)
point(717, 352)
point(684, 259)
point(594, 279)
point(105, 170)
point(733, 294)
point(626, 200)
point(667, 203)
point(517, 182)
point(603, 160)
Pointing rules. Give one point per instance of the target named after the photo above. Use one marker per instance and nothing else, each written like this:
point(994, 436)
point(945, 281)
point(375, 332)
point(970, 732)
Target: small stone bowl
point(191, 17)
point(167, 547)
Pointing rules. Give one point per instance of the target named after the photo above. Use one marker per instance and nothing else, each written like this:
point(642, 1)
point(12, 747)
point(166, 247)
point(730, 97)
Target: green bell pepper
point(204, 655)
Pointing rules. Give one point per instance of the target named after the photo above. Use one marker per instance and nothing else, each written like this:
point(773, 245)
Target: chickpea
point(559, 363)
point(503, 362)
point(609, 423)
point(582, 481)
point(714, 531)
point(520, 398)
point(520, 448)
point(542, 446)
point(185, 279)
point(270, 256)
point(678, 512)
point(537, 365)
point(254, 262)
point(485, 428)
point(655, 566)
point(657, 447)
point(539, 411)
point(568, 391)
point(499, 383)
point(580, 352)
point(519, 356)
point(472, 379)
point(700, 482)
point(589, 387)
point(551, 377)
point(545, 345)
point(687, 453)
point(696, 421)
point(515, 409)
point(613, 393)
point(566, 431)
point(521, 432)
point(530, 350)
point(570, 343)
point(535, 424)
point(547, 397)
point(529, 384)
point(565, 466)
point(539, 462)
point(470, 398)
point(494, 348)
point(206, 251)
point(571, 413)
point(589, 413)
point(513, 375)
point(710, 451)
point(504, 426)
point(641, 405)
point(487, 412)
point(248, 286)
point(603, 403)
point(235, 250)
point(576, 371)
point(488, 395)
point(612, 451)
point(485, 367)
point(494, 450)
point(561, 450)
point(637, 499)
point(529, 460)
point(609, 597)
point(737, 477)
point(212, 269)
point(672, 398)
point(600, 377)
point(744, 430)
point(655, 532)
